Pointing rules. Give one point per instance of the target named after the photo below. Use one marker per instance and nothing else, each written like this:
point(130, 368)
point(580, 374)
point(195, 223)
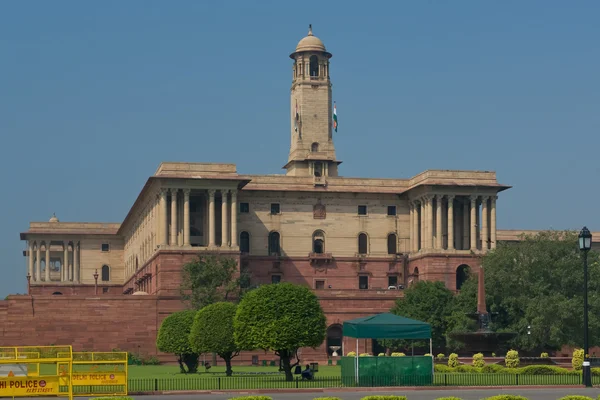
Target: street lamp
point(96, 284)
point(585, 244)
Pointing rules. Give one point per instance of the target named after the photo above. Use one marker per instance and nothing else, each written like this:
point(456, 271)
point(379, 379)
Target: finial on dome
point(53, 219)
point(310, 30)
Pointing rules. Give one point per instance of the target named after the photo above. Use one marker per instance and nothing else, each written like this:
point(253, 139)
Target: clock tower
point(312, 152)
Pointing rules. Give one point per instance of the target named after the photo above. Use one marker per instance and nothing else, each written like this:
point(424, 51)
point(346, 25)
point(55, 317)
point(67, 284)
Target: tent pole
point(356, 360)
point(431, 354)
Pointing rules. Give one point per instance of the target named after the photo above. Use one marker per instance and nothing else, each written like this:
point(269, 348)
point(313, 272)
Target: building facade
point(356, 242)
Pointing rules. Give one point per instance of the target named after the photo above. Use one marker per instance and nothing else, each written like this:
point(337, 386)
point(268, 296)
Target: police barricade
point(98, 374)
point(33, 371)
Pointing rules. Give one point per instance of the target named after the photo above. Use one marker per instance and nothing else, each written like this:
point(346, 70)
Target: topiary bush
point(440, 356)
point(364, 355)
point(443, 369)
point(398, 354)
point(453, 360)
point(506, 397)
point(577, 361)
point(575, 397)
point(252, 398)
point(381, 355)
point(493, 369)
point(544, 355)
point(512, 359)
point(173, 337)
point(384, 398)
point(448, 398)
point(478, 361)
point(351, 354)
point(327, 398)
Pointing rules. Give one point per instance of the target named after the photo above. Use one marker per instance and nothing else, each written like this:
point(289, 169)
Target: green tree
point(173, 337)
point(212, 332)
point(538, 282)
point(281, 317)
point(210, 279)
point(425, 301)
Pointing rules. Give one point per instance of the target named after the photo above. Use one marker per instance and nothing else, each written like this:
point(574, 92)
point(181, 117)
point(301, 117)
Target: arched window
point(57, 294)
point(334, 338)
point(318, 169)
point(314, 66)
point(245, 242)
point(392, 243)
point(318, 240)
point(362, 243)
point(274, 243)
point(105, 273)
point(416, 275)
point(462, 274)
point(314, 147)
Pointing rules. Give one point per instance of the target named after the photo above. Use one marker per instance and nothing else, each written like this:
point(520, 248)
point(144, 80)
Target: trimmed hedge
point(499, 369)
point(453, 360)
point(506, 397)
point(327, 398)
point(575, 397)
point(448, 398)
point(384, 398)
point(252, 398)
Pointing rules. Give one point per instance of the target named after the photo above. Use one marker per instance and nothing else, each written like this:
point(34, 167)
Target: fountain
point(335, 349)
point(483, 340)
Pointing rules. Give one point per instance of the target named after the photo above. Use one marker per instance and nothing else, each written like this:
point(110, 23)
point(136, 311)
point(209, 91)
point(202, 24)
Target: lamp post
point(28, 284)
point(96, 279)
point(585, 244)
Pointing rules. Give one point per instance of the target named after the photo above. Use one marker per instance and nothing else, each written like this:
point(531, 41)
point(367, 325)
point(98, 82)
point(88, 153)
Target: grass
point(172, 371)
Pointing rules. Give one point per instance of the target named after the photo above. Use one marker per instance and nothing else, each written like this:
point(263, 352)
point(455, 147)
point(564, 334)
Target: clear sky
point(94, 95)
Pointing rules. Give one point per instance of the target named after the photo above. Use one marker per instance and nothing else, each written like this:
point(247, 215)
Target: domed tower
point(311, 151)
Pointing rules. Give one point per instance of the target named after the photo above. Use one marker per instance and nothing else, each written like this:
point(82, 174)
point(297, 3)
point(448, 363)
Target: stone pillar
point(224, 236)
point(173, 240)
point(466, 230)
point(65, 263)
point(164, 225)
point(430, 243)
point(438, 222)
point(38, 262)
point(211, 218)
point(450, 223)
point(411, 235)
point(30, 261)
point(493, 221)
point(423, 230)
point(76, 251)
point(186, 217)
point(473, 222)
point(416, 226)
point(484, 223)
point(234, 214)
point(47, 270)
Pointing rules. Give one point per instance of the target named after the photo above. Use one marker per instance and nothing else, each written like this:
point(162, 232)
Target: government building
point(356, 242)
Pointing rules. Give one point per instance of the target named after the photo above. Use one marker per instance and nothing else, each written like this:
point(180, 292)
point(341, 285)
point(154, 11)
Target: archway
point(334, 338)
point(462, 274)
point(318, 242)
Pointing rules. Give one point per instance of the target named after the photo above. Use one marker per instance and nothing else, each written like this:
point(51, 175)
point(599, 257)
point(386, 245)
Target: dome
point(53, 219)
point(140, 293)
point(310, 43)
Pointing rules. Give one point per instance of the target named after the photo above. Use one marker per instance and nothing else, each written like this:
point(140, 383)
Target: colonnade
point(449, 222)
point(69, 261)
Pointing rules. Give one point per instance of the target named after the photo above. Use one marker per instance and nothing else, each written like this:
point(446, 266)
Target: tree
point(425, 301)
point(538, 282)
point(173, 337)
point(210, 279)
point(281, 317)
point(212, 332)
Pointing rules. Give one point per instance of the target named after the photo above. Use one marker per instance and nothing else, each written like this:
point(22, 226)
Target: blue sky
point(94, 95)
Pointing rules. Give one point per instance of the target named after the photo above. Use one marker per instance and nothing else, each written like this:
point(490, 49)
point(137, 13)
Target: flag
point(335, 123)
point(297, 117)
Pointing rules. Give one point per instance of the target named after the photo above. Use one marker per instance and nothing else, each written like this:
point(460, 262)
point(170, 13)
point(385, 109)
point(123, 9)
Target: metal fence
point(199, 382)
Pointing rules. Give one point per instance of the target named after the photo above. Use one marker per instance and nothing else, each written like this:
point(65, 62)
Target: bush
point(327, 398)
point(173, 337)
point(577, 361)
point(252, 398)
point(544, 355)
point(443, 369)
point(506, 397)
point(493, 369)
point(575, 397)
point(440, 356)
point(542, 370)
point(381, 355)
point(398, 354)
point(384, 398)
point(467, 369)
point(512, 359)
point(351, 354)
point(453, 360)
point(364, 355)
point(448, 398)
point(478, 361)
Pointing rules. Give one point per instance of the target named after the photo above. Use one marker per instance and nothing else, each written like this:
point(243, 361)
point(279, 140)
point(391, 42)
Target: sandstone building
point(357, 242)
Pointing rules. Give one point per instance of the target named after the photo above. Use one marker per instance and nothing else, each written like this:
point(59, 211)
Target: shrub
point(364, 355)
point(440, 356)
point(453, 360)
point(493, 354)
point(443, 369)
point(381, 355)
point(351, 354)
point(493, 369)
point(384, 398)
point(512, 359)
point(252, 398)
point(448, 398)
point(506, 397)
point(173, 337)
point(575, 397)
point(544, 355)
point(327, 398)
point(467, 369)
point(577, 361)
point(427, 355)
point(478, 361)
point(398, 354)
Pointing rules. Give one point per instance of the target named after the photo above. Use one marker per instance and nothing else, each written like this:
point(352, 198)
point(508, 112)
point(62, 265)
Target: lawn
point(172, 371)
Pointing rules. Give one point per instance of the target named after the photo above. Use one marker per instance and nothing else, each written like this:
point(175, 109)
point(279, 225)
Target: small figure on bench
point(207, 366)
point(307, 373)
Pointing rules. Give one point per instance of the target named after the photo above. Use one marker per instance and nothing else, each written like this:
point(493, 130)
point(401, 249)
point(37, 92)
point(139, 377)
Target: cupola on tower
point(311, 151)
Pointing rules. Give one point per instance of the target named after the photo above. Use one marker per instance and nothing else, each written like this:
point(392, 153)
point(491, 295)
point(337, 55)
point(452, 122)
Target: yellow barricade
point(98, 374)
point(33, 371)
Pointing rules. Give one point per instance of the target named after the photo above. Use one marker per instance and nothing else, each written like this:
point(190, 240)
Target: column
point(484, 223)
point(164, 226)
point(473, 222)
point(76, 250)
point(493, 221)
point(173, 241)
point(211, 218)
point(422, 229)
point(466, 231)
point(186, 217)
point(38, 262)
point(47, 271)
point(416, 226)
point(430, 243)
point(30, 260)
point(411, 234)
point(234, 213)
point(224, 236)
point(450, 222)
point(65, 263)
point(438, 222)
point(70, 265)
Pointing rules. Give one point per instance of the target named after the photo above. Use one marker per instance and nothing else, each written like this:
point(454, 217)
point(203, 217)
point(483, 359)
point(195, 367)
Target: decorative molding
point(319, 211)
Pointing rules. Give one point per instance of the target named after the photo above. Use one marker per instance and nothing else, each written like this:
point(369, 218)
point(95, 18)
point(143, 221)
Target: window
point(392, 241)
point(105, 273)
point(275, 278)
point(314, 147)
point(314, 66)
point(274, 243)
point(391, 210)
point(275, 208)
point(105, 247)
point(362, 243)
point(318, 242)
point(362, 210)
point(392, 281)
point(105, 290)
point(245, 242)
point(319, 285)
point(244, 207)
point(363, 282)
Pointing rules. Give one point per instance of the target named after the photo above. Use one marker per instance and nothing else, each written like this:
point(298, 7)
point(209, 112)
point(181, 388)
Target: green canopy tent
point(386, 326)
